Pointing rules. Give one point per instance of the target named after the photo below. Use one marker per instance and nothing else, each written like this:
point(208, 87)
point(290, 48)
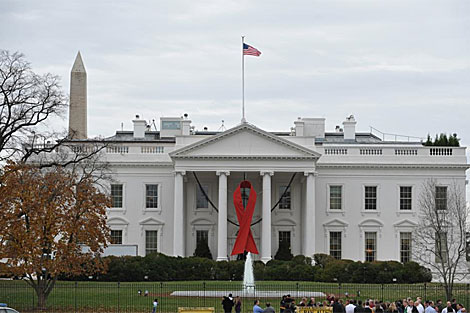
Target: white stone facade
point(352, 195)
point(268, 160)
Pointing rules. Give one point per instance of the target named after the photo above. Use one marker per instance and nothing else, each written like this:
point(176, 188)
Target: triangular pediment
point(247, 141)
point(151, 221)
point(405, 223)
point(336, 223)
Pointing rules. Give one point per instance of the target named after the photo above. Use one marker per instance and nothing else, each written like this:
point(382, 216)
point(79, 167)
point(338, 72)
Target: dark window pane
point(441, 198)
point(201, 200)
point(335, 244)
point(336, 193)
point(370, 246)
point(151, 241)
point(151, 196)
point(441, 247)
point(116, 237)
point(405, 247)
point(284, 236)
point(405, 197)
point(116, 196)
point(370, 198)
point(285, 201)
point(202, 236)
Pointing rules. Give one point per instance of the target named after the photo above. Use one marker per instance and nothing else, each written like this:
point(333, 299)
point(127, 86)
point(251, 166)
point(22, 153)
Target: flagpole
point(243, 82)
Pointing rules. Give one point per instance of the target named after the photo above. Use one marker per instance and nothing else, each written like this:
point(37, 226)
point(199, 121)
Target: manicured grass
point(123, 297)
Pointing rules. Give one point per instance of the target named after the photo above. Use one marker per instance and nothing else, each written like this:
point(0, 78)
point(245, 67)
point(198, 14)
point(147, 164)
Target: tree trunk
point(448, 289)
point(42, 297)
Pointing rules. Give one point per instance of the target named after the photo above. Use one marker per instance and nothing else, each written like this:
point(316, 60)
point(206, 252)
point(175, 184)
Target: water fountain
point(248, 288)
point(248, 276)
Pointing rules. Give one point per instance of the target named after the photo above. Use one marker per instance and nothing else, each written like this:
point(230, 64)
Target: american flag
point(249, 50)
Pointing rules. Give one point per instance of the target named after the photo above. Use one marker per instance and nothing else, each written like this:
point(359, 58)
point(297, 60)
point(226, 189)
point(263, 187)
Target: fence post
point(34, 296)
point(297, 289)
point(161, 294)
point(425, 292)
point(204, 291)
point(468, 287)
point(75, 300)
point(118, 302)
point(382, 292)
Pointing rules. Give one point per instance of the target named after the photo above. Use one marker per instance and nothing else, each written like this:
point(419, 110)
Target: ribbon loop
point(245, 240)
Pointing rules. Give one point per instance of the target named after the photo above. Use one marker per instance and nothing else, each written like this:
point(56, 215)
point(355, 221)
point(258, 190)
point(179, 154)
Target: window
point(202, 236)
point(335, 244)
point(441, 247)
point(405, 247)
point(201, 200)
point(285, 201)
point(405, 197)
point(335, 197)
point(116, 237)
point(370, 198)
point(245, 195)
point(441, 198)
point(370, 246)
point(284, 236)
point(171, 125)
point(116, 195)
point(151, 196)
point(151, 241)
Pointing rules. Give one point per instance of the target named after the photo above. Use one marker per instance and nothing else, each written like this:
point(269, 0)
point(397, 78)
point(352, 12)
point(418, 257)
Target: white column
point(222, 217)
point(266, 215)
point(308, 227)
point(178, 216)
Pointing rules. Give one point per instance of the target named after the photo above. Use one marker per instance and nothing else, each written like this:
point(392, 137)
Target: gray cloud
point(400, 66)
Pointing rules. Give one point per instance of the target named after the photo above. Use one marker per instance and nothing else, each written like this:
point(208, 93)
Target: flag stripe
point(249, 50)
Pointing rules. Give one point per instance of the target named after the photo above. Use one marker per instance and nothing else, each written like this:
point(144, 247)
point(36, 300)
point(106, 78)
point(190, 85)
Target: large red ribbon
point(244, 241)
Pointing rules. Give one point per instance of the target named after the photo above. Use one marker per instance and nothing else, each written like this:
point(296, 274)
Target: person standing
point(155, 304)
point(429, 307)
point(419, 305)
point(282, 306)
point(448, 308)
point(350, 306)
point(337, 306)
point(227, 304)
point(238, 304)
point(269, 308)
point(256, 307)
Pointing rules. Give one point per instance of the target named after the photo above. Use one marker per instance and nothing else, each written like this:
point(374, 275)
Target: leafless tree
point(28, 101)
point(439, 240)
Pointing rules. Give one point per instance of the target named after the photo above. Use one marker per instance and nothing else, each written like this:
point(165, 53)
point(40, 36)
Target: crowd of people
point(289, 305)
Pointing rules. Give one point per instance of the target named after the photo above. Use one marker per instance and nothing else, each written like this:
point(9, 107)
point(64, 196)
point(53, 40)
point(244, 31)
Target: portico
point(224, 160)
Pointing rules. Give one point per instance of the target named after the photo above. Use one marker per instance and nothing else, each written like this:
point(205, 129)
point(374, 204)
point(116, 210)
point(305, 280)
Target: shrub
point(160, 267)
point(202, 250)
point(283, 253)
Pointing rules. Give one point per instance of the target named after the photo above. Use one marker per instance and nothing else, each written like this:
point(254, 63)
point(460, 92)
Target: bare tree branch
point(439, 240)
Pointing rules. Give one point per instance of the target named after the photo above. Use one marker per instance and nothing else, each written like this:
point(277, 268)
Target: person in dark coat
point(227, 304)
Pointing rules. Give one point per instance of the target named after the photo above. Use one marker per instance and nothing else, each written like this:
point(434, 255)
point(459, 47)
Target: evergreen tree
point(202, 250)
point(428, 141)
point(284, 253)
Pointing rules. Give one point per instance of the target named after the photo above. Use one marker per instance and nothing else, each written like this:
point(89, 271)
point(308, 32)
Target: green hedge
point(160, 267)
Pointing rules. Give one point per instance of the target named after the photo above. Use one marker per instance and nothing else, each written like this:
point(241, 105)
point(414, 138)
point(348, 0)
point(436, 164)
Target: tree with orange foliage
point(47, 217)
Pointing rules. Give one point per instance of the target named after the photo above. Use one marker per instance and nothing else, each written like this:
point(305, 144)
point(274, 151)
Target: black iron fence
point(138, 297)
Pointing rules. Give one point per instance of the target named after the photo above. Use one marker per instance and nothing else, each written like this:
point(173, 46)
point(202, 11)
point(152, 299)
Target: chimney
point(349, 126)
point(299, 127)
point(78, 100)
point(186, 125)
point(139, 127)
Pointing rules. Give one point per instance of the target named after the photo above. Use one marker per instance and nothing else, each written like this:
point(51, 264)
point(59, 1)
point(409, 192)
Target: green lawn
point(123, 297)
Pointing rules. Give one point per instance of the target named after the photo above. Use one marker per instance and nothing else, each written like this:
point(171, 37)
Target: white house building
point(349, 194)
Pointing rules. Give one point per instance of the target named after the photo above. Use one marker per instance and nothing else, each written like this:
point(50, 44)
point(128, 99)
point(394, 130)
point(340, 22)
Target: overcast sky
point(400, 66)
